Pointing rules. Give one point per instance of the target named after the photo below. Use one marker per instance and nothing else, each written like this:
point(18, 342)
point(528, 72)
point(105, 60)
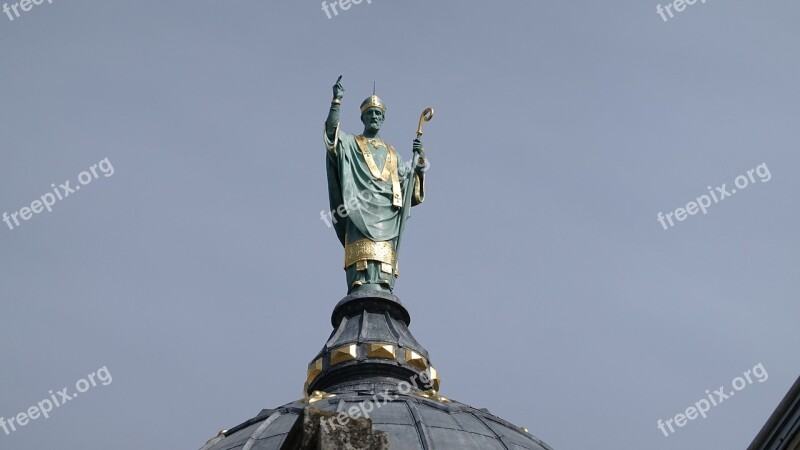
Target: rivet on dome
point(314, 370)
point(416, 360)
point(433, 376)
point(344, 353)
point(381, 350)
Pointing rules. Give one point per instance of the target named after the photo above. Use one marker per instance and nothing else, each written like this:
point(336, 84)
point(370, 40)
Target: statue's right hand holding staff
point(333, 114)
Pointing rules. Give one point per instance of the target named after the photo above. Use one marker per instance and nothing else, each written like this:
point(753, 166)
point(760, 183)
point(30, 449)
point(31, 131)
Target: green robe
point(350, 182)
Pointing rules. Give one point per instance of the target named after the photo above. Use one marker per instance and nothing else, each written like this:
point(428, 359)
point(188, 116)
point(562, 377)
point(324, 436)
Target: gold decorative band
point(373, 102)
point(366, 249)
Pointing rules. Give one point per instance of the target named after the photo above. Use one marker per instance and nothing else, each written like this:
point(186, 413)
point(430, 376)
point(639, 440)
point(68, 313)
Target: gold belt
point(366, 249)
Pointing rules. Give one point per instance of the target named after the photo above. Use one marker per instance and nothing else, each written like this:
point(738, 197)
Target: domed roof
point(373, 368)
point(410, 421)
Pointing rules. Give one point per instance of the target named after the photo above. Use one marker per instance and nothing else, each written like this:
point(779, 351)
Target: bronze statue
point(371, 193)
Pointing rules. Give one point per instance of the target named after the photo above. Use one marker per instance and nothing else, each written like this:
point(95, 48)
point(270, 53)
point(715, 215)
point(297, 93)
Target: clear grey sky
point(536, 272)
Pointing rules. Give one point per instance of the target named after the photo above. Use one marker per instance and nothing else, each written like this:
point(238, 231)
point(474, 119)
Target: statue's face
point(372, 119)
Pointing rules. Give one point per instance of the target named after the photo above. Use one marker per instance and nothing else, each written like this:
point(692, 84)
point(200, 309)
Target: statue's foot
point(382, 286)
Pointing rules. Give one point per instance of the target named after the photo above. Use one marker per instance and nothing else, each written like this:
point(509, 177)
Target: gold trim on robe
point(366, 249)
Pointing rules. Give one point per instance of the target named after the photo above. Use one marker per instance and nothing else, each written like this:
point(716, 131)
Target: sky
point(189, 282)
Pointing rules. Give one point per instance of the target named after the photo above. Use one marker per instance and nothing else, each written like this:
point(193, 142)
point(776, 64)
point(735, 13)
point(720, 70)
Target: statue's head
point(373, 112)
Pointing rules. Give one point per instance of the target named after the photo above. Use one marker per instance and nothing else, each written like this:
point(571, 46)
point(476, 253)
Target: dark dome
point(371, 359)
point(411, 422)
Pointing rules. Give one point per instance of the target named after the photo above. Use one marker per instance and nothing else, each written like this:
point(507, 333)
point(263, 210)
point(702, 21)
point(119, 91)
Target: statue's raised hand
point(338, 90)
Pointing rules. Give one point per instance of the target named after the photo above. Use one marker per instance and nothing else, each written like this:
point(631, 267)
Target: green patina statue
point(371, 193)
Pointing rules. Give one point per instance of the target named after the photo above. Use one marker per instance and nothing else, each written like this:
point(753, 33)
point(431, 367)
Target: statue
point(371, 193)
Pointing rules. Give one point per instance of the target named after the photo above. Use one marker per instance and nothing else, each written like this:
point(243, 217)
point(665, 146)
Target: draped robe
point(351, 183)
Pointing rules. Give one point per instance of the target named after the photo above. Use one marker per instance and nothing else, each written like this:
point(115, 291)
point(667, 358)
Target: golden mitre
point(373, 101)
